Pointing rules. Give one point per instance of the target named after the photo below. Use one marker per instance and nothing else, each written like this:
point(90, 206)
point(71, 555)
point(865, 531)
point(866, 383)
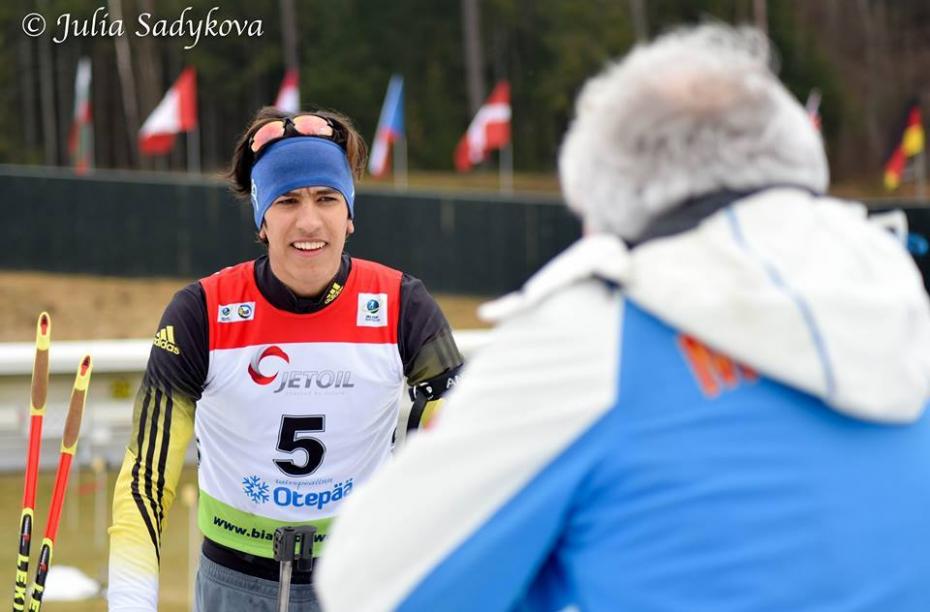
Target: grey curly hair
point(696, 111)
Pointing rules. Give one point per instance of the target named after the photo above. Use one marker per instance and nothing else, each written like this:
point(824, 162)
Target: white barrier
point(118, 369)
point(127, 356)
point(108, 356)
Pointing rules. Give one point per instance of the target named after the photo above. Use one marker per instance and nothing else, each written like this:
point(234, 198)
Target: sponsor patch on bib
point(234, 313)
point(372, 310)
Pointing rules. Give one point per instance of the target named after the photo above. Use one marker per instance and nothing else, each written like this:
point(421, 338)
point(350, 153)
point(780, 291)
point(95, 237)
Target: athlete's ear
point(350, 228)
point(261, 232)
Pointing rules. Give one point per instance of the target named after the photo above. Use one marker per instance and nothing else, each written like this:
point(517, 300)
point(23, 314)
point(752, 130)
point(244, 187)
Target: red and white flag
point(176, 113)
point(489, 130)
point(390, 127)
point(288, 99)
point(81, 135)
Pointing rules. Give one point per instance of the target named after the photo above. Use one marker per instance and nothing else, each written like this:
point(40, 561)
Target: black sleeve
point(162, 426)
point(431, 358)
point(180, 352)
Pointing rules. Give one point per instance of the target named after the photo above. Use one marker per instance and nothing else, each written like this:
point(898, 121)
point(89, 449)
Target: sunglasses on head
point(301, 125)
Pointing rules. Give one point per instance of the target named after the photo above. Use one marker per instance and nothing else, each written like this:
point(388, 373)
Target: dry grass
point(95, 307)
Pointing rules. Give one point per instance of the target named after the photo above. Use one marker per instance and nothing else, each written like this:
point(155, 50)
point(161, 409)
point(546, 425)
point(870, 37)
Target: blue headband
point(300, 161)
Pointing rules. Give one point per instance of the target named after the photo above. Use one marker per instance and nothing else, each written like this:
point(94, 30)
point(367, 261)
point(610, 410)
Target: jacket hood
point(804, 289)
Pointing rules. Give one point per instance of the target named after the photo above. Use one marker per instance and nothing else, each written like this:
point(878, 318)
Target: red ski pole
point(39, 393)
point(69, 442)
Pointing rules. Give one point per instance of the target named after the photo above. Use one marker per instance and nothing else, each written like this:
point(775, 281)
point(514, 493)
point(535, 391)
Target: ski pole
point(38, 395)
point(69, 442)
point(292, 544)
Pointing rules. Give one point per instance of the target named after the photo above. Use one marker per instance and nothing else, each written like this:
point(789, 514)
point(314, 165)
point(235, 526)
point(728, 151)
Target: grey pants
point(220, 589)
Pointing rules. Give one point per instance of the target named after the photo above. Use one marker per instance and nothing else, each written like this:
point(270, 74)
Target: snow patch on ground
point(66, 583)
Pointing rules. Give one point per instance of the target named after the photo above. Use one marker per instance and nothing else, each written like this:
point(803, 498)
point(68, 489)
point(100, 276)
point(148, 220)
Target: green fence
point(150, 224)
point(147, 224)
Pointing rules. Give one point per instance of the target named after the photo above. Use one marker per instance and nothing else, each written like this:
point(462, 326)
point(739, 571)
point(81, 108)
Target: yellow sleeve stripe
point(148, 473)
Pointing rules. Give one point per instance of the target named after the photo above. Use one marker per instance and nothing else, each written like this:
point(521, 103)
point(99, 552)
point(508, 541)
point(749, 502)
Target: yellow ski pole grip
point(43, 331)
point(39, 391)
point(76, 409)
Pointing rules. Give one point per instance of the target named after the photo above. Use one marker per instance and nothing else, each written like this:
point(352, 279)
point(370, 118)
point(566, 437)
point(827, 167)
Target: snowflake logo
point(255, 488)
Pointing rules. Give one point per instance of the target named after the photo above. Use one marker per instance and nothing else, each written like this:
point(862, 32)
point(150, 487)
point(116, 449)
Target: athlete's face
point(306, 230)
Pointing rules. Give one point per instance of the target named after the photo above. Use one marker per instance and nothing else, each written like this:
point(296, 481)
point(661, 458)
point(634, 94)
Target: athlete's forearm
point(133, 567)
point(145, 490)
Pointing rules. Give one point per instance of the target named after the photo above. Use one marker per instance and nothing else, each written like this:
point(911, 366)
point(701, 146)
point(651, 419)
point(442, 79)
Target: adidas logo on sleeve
point(164, 339)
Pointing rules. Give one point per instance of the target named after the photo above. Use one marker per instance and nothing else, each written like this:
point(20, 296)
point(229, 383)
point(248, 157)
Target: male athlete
point(714, 401)
point(287, 369)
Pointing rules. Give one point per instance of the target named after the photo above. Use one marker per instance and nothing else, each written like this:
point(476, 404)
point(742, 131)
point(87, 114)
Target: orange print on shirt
point(713, 371)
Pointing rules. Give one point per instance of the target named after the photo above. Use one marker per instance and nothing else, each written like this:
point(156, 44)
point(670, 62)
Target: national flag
point(813, 108)
point(81, 134)
point(390, 126)
point(176, 113)
point(489, 130)
point(911, 144)
point(288, 99)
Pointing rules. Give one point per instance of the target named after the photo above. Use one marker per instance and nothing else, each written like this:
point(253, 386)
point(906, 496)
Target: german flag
point(912, 143)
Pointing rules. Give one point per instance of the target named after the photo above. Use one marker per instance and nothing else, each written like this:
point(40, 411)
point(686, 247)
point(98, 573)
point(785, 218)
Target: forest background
point(868, 58)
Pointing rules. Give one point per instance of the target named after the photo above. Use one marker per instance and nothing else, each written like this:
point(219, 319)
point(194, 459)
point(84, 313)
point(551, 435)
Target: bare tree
point(640, 27)
point(27, 85)
point(127, 80)
point(289, 33)
point(148, 71)
point(474, 62)
point(760, 11)
point(47, 88)
point(873, 69)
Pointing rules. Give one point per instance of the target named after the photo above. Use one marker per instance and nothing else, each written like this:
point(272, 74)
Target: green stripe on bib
point(246, 532)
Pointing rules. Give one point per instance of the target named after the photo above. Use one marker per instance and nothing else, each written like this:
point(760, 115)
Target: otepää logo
point(256, 489)
point(259, 492)
point(164, 339)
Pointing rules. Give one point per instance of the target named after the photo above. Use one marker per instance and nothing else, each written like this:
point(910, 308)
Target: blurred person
point(288, 371)
point(715, 400)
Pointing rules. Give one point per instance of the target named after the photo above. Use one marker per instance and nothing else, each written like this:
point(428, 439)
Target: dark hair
point(240, 172)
